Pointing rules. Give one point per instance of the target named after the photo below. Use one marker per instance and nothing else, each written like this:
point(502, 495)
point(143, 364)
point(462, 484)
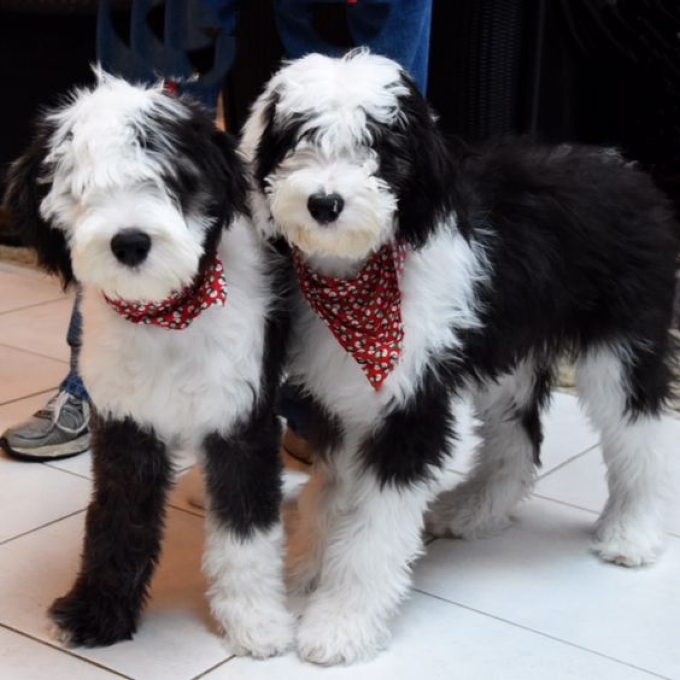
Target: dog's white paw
point(330, 637)
point(628, 543)
point(465, 514)
point(260, 637)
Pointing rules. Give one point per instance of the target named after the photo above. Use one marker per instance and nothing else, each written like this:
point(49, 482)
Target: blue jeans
point(72, 383)
point(398, 29)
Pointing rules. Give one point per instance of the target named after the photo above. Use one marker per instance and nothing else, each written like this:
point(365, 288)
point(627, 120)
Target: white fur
point(363, 225)
point(369, 536)
point(186, 383)
point(247, 597)
point(630, 530)
point(503, 472)
point(335, 160)
point(103, 181)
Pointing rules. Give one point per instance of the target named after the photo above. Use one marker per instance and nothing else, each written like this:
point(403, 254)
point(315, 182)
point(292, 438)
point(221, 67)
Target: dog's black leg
point(244, 552)
point(123, 530)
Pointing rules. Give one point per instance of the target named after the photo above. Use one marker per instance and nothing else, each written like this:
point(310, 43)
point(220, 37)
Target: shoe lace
point(70, 414)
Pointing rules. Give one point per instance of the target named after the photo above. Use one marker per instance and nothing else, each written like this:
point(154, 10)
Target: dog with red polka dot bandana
point(135, 194)
point(428, 273)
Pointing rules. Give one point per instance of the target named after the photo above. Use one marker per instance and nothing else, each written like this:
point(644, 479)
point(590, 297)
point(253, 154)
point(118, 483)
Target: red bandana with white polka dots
point(180, 309)
point(363, 313)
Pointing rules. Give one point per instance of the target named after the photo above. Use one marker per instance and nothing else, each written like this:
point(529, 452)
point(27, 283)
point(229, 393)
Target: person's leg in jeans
point(60, 429)
point(398, 29)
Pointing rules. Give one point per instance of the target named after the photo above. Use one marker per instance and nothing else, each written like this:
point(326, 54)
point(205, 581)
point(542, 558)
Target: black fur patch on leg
point(243, 474)
point(123, 532)
point(415, 439)
point(530, 415)
point(649, 378)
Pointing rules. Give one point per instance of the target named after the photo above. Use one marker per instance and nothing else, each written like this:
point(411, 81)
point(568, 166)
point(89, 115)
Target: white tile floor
point(530, 603)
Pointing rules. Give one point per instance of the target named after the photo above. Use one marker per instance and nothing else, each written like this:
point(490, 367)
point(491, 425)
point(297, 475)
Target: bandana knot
point(179, 310)
point(362, 313)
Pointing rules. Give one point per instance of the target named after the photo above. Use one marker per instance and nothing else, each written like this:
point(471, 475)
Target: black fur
point(243, 474)
point(132, 474)
point(276, 141)
point(321, 429)
point(209, 175)
point(581, 250)
point(26, 188)
point(410, 443)
point(415, 162)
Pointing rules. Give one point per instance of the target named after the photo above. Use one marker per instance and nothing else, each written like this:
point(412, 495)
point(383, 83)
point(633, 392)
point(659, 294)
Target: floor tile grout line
point(564, 463)
point(564, 503)
point(6, 541)
point(36, 354)
point(214, 668)
point(543, 634)
point(54, 466)
point(34, 305)
point(29, 396)
point(65, 651)
point(195, 513)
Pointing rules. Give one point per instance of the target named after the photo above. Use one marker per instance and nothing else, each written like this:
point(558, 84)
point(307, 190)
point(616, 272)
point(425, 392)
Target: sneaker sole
point(41, 454)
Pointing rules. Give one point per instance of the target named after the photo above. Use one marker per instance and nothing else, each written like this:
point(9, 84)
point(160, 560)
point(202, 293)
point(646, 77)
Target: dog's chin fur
point(519, 254)
point(172, 262)
point(366, 222)
point(119, 157)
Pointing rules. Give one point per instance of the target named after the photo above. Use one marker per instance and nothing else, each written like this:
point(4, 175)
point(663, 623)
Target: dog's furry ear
point(205, 162)
point(230, 170)
point(264, 144)
point(27, 186)
point(416, 162)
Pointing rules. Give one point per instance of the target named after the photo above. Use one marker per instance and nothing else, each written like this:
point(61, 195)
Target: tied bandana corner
point(180, 309)
point(362, 313)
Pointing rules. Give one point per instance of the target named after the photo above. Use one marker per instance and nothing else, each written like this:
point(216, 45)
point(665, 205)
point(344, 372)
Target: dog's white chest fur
point(183, 383)
point(438, 299)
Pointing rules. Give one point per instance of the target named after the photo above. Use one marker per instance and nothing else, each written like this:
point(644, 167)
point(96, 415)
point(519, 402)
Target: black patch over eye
point(276, 141)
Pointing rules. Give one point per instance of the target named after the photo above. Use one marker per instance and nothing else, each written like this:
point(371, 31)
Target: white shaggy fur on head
point(105, 179)
point(328, 133)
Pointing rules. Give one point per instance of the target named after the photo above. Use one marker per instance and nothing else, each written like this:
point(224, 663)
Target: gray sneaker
point(59, 430)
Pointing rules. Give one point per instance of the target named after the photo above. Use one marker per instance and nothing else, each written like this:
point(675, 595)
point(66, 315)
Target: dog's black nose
point(325, 208)
point(131, 246)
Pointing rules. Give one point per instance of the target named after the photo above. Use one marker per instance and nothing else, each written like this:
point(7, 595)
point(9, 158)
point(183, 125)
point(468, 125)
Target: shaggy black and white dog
point(507, 259)
point(137, 196)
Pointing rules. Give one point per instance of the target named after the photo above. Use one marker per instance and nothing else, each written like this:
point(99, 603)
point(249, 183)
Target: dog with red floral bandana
point(429, 272)
point(136, 195)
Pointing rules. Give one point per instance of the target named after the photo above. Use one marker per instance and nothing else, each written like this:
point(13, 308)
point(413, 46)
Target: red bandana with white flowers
point(180, 309)
point(363, 313)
